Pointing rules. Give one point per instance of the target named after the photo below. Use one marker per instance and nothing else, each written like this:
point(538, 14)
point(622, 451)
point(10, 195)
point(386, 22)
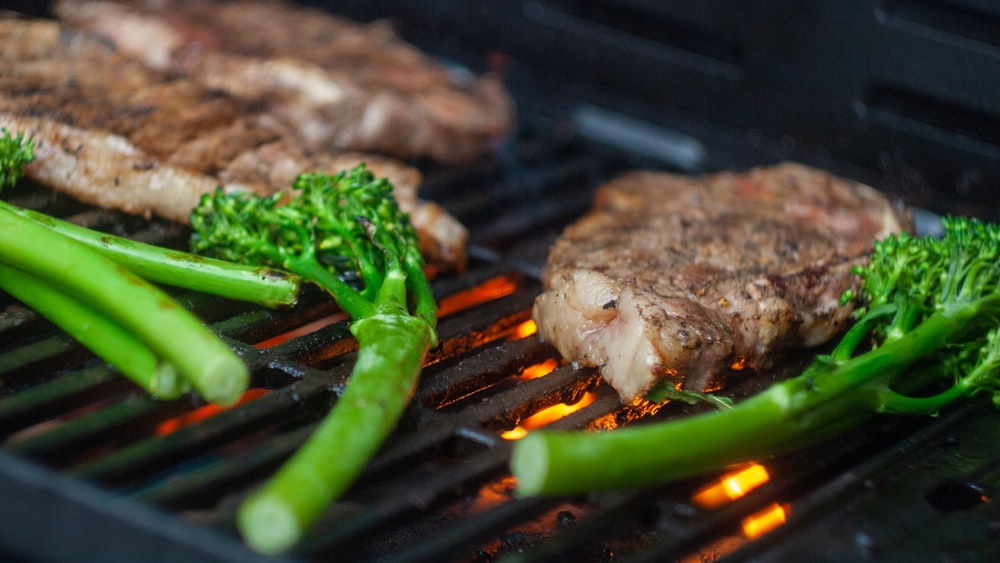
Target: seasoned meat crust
point(684, 278)
point(337, 83)
point(113, 132)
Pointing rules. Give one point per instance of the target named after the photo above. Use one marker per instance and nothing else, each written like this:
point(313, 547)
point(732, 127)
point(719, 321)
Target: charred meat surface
point(685, 278)
point(114, 132)
point(336, 82)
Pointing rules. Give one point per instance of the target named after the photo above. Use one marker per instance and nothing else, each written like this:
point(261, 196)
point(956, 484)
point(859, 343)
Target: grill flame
point(547, 416)
point(490, 290)
point(735, 485)
point(525, 329)
point(731, 486)
point(763, 521)
point(176, 423)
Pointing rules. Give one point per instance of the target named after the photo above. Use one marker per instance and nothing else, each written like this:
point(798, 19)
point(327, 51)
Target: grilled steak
point(335, 82)
point(686, 278)
point(113, 132)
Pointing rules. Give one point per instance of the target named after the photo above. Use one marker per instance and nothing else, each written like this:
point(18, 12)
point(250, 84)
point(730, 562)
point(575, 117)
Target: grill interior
point(92, 468)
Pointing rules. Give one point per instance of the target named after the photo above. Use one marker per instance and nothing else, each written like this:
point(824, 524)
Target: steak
point(686, 279)
point(114, 132)
point(336, 82)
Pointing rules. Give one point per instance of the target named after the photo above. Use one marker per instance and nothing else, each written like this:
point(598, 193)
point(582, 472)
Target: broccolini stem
point(425, 304)
point(347, 298)
point(106, 338)
point(893, 402)
point(390, 353)
point(980, 378)
point(264, 286)
point(860, 332)
point(552, 463)
point(170, 331)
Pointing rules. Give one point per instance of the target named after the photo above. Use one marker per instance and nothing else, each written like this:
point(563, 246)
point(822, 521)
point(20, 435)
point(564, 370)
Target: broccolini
point(332, 225)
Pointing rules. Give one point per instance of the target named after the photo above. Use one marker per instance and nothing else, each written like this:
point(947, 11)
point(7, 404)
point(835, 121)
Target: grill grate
point(91, 469)
point(106, 459)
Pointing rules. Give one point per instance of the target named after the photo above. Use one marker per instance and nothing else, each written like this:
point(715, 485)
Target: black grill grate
point(88, 469)
point(79, 441)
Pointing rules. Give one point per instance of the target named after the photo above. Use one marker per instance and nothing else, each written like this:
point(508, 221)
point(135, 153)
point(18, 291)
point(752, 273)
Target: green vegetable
point(103, 336)
point(123, 318)
point(330, 225)
point(927, 335)
point(170, 331)
point(264, 286)
point(15, 153)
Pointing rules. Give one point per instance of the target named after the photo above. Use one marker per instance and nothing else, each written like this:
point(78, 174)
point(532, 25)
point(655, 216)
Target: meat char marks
point(114, 132)
point(336, 82)
point(684, 278)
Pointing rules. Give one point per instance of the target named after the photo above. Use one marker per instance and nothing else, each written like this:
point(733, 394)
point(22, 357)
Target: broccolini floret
point(16, 152)
point(327, 227)
point(927, 335)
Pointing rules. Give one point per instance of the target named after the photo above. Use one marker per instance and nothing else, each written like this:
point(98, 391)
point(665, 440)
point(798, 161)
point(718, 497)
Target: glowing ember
point(525, 329)
point(493, 494)
point(547, 416)
point(515, 433)
point(731, 486)
point(490, 290)
point(302, 330)
point(538, 370)
point(764, 521)
point(207, 411)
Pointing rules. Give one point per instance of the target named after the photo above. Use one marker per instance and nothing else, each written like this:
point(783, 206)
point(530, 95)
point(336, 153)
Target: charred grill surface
point(91, 469)
point(80, 442)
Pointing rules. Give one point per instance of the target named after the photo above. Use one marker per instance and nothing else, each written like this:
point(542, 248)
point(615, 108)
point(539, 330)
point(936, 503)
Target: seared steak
point(335, 82)
point(113, 132)
point(687, 278)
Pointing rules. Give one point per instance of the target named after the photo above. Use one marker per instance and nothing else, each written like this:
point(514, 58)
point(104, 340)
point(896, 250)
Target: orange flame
point(302, 330)
point(763, 521)
point(525, 329)
point(207, 411)
point(731, 486)
point(489, 290)
point(739, 363)
point(547, 416)
point(539, 370)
